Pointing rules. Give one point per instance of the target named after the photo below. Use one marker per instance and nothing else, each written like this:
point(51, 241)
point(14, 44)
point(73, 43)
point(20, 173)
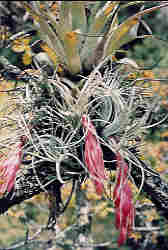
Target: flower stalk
point(123, 201)
point(93, 155)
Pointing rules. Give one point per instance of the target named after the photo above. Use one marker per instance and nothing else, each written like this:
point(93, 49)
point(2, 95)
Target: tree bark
point(27, 185)
point(154, 187)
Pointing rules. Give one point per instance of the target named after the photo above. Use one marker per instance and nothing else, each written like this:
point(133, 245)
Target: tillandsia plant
point(86, 118)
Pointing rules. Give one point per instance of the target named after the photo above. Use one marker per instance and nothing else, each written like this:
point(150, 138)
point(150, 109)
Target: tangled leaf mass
point(58, 121)
point(51, 121)
point(49, 118)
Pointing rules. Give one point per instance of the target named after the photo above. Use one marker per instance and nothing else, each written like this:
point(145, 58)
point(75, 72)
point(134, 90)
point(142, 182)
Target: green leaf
point(66, 15)
point(93, 8)
point(79, 21)
point(95, 31)
point(119, 36)
point(131, 3)
point(72, 53)
point(67, 39)
point(78, 16)
point(46, 32)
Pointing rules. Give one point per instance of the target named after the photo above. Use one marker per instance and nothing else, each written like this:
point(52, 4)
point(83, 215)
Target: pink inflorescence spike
point(9, 168)
point(123, 201)
point(93, 155)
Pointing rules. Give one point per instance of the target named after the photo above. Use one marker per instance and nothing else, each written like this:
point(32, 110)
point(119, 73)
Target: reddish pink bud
point(123, 201)
point(99, 187)
point(93, 155)
point(122, 237)
point(9, 168)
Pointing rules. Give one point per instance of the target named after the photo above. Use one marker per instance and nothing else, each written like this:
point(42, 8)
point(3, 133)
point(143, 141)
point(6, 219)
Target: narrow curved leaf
point(71, 48)
point(121, 36)
point(96, 28)
point(46, 32)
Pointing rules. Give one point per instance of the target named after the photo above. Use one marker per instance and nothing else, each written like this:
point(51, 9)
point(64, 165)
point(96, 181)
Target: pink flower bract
point(123, 202)
point(9, 168)
point(93, 155)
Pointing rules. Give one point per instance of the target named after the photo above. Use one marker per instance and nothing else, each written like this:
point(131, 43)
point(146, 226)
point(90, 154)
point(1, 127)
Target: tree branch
point(154, 187)
point(27, 185)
